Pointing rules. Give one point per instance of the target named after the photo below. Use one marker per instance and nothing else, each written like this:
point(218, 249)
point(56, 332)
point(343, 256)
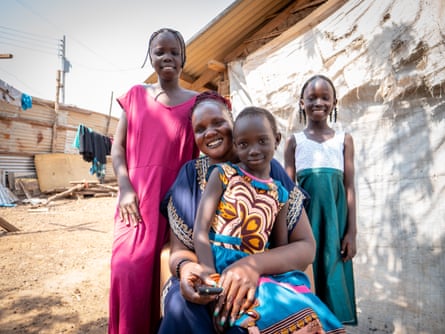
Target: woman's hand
point(193, 276)
point(129, 207)
point(239, 282)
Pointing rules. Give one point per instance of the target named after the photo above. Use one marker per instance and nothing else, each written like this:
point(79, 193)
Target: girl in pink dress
point(154, 138)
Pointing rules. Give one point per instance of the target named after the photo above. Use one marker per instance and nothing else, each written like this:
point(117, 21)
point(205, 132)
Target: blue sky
point(106, 42)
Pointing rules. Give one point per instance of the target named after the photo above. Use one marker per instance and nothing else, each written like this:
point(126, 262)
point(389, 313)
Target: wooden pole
point(66, 192)
point(109, 115)
point(56, 113)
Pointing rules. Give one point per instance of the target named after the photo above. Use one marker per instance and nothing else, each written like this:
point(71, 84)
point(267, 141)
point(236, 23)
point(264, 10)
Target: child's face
point(213, 128)
point(318, 100)
point(255, 144)
point(166, 55)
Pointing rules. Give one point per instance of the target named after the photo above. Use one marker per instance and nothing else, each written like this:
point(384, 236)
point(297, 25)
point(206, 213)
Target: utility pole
point(65, 66)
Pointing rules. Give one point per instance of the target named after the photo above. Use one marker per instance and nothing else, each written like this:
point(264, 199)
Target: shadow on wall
point(399, 268)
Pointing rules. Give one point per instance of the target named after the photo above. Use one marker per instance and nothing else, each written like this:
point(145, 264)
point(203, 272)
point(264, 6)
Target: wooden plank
point(107, 187)
point(56, 170)
point(7, 225)
point(27, 194)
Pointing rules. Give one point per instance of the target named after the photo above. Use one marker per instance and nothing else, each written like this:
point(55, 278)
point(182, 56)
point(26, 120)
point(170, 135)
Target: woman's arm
point(204, 217)
point(279, 231)
point(183, 264)
point(289, 156)
point(348, 246)
point(128, 201)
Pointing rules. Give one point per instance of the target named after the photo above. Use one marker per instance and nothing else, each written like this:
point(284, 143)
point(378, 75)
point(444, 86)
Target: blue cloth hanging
point(26, 101)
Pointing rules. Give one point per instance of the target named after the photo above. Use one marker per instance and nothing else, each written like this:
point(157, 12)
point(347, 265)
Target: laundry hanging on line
point(94, 148)
point(14, 96)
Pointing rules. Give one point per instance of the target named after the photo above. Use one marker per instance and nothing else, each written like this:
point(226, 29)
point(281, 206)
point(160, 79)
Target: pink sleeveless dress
point(159, 141)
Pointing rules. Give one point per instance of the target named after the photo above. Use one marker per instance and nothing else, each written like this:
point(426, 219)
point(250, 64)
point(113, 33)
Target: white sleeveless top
point(311, 154)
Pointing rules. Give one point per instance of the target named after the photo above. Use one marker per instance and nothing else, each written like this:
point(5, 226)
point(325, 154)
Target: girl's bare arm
point(289, 157)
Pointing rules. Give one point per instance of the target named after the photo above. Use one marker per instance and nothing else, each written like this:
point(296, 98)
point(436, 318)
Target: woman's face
point(213, 128)
point(166, 58)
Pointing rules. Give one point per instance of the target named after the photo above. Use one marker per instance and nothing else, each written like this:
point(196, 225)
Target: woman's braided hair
point(177, 35)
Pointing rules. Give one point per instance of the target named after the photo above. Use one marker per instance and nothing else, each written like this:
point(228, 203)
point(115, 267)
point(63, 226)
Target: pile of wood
point(82, 189)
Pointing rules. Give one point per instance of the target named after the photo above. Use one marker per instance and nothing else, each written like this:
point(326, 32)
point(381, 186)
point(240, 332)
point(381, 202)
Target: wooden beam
point(7, 226)
point(269, 30)
point(6, 55)
point(275, 27)
point(187, 77)
point(206, 77)
point(216, 66)
point(310, 21)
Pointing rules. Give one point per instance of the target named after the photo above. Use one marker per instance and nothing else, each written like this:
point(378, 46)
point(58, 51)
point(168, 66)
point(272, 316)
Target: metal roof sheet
point(228, 35)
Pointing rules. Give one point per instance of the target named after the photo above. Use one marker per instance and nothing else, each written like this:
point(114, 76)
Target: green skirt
point(334, 279)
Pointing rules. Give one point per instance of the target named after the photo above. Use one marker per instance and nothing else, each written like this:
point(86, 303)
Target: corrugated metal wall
point(24, 133)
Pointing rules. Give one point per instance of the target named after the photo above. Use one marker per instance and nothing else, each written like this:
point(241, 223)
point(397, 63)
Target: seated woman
point(185, 310)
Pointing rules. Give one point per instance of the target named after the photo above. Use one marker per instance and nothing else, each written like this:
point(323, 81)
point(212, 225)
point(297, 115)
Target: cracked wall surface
point(386, 59)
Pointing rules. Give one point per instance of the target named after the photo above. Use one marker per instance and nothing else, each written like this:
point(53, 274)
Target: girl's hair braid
point(211, 95)
point(178, 37)
point(302, 113)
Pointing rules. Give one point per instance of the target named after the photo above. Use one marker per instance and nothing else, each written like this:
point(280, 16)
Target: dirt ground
point(54, 272)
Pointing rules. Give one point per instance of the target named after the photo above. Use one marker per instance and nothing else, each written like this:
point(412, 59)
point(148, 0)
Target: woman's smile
point(215, 143)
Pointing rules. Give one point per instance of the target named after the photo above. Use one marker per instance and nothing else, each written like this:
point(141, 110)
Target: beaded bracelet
point(178, 267)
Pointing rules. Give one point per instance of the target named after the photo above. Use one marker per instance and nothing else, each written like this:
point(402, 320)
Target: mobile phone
point(204, 290)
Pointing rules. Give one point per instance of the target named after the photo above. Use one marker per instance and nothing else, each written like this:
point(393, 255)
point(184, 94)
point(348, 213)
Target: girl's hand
point(348, 247)
point(129, 207)
point(239, 282)
point(193, 276)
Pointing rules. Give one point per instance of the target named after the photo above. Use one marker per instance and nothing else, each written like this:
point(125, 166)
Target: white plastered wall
point(387, 61)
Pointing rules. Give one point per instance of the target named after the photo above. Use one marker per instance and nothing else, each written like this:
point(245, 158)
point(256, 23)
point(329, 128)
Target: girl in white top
point(321, 160)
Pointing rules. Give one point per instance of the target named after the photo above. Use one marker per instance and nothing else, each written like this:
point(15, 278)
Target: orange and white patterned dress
point(245, 215)
point(242, 225)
